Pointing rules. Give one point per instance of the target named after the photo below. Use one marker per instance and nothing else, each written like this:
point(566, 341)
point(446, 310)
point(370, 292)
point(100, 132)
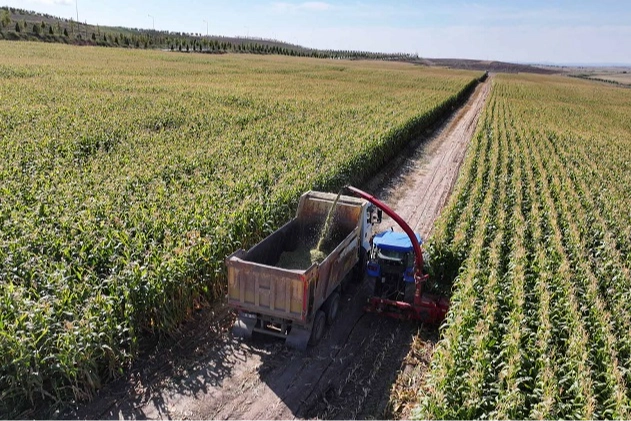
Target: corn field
point(128, 176)
point(538, 238)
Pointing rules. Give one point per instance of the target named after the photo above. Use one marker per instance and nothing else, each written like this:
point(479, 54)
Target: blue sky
point(558, 31)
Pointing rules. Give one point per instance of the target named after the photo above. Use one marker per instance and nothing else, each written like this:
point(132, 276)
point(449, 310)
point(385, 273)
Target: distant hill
point(490, 66)
point(19, 24)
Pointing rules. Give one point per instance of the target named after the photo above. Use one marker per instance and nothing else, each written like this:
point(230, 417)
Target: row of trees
point(215, 46)
point(36, 28)
point(69, 31)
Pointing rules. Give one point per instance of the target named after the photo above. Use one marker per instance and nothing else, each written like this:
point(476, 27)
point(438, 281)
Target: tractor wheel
point(317, 332)
point(331, 307)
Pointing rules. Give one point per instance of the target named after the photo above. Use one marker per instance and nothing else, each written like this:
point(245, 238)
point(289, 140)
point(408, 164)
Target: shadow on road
point(194, 361)
point(349, 375)
point(206, 372)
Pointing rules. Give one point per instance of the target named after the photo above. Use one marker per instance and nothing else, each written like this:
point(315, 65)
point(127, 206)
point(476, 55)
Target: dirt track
point(209, 374)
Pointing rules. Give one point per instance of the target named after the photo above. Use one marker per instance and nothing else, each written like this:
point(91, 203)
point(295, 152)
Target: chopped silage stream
point(305, 254)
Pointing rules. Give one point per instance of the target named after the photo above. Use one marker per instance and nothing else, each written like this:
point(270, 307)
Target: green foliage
point(537, 242)
point(5, 18)
point(125, 186)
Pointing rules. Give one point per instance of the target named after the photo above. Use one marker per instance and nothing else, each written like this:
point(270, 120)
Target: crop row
point(128, 176)
point(536, 243)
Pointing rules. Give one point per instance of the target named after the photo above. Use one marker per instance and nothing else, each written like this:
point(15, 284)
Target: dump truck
point(275, 286)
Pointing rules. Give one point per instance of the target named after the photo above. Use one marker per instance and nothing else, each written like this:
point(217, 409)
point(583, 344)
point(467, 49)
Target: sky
point(535, 31)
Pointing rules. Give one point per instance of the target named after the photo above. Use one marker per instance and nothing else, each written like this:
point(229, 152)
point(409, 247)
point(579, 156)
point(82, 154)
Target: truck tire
point(317, 331)
point(360, 267)
point(331, 307)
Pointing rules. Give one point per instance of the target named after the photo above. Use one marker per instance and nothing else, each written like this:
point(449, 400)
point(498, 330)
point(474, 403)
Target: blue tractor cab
point(391, 264)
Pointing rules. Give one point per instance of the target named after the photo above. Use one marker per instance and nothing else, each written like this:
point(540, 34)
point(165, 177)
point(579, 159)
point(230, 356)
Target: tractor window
point(390, 254)
point(406, 258)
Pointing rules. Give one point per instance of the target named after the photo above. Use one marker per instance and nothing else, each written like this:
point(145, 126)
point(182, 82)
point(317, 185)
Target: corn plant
point(128, 177)
point(540, 320)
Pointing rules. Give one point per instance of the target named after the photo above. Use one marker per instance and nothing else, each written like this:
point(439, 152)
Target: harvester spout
point(418, 261)
point(427, 308)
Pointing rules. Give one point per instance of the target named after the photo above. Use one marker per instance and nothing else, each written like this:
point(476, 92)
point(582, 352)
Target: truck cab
point(391, 264)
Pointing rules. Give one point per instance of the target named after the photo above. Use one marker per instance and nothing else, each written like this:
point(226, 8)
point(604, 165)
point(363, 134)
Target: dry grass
point(404, 393)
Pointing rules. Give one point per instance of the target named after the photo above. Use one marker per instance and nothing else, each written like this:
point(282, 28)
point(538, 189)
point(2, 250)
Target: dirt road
point(209, 374)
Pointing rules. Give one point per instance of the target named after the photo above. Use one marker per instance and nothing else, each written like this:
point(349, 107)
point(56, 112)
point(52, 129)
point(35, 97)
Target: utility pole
point(206, 27)
point(154, 22)
point(76, 3)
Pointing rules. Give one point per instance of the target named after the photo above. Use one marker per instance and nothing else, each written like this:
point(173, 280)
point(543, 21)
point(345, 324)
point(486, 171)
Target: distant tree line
point(20, 24)
point(598, 79)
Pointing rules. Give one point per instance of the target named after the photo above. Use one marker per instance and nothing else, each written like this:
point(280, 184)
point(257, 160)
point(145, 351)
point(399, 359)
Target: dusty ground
point(420, 190)
point(209, 374)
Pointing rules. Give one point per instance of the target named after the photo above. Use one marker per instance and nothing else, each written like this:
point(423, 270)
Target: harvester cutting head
point(427, 308)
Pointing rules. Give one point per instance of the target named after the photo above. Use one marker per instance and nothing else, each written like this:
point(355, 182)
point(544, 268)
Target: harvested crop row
point(552, 337)
point(128, 176)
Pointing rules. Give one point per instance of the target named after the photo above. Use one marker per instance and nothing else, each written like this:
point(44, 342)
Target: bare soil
point(206, 373)
point(422, 185)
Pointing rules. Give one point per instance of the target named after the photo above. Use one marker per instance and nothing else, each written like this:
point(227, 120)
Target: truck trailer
point(275, 287)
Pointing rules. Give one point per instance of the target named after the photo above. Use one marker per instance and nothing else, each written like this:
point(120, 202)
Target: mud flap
point(298, 338)
point(243, 327)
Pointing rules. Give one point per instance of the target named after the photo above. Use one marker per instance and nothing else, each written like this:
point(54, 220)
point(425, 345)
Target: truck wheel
point(317, 331)
point(360, 268)
point(331, 307)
